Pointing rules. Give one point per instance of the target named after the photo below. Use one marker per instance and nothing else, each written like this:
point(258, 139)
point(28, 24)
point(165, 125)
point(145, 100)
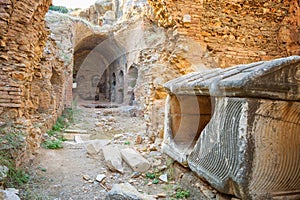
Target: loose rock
point(86, 177)
point(135, 174)
point(138, 139)
point(3, 172)
point(161, 196)
point(9, 194)
point(125, 191)
point(100, 177)
point(164, 177)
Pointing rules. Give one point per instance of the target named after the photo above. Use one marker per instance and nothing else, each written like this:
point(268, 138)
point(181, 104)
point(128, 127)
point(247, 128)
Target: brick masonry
point(31, 73)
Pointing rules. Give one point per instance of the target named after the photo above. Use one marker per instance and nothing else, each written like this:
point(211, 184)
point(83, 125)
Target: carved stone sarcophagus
point(250, 143)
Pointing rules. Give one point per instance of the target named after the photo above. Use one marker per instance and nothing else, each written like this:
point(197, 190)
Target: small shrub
point(155, 181)
point(51, 132)
point(57, 126)
point(52, 144)
point(17, 177)
point(150, 175)
point(181, 194)
point(61, 138)
point(11, 144)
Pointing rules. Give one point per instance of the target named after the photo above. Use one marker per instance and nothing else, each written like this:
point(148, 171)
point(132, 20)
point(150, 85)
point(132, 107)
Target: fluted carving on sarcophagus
point(251, 145)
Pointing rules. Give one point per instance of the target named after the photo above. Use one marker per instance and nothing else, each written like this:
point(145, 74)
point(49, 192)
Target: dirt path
point(60, 174)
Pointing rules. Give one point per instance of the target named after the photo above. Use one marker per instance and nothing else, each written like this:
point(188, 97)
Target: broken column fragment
point(250, 147)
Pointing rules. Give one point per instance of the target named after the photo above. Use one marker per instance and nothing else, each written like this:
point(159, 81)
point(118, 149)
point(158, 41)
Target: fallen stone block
point(125, 191)
point(78, 139)
point(135, 160)
point(69, 137)
point(94, 146)
point(113, 158)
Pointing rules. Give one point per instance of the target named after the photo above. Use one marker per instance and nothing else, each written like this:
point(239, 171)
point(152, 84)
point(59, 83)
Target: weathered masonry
point(250, 146)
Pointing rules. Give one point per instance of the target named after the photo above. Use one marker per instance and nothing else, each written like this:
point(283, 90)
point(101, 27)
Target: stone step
point(75, 131)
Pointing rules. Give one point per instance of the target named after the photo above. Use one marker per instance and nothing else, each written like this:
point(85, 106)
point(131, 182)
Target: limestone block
point(94, 146)
point(135, 160)
point(113, 158)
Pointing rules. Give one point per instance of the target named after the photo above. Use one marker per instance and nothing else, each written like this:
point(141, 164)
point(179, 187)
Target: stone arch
point(97, 55)
point(87, 88)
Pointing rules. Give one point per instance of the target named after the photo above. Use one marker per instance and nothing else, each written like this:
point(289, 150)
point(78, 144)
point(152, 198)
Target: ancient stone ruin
point(123, 52)
point(249, 145)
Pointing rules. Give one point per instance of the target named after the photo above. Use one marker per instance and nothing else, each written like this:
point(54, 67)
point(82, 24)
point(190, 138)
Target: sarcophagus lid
point(275, 79)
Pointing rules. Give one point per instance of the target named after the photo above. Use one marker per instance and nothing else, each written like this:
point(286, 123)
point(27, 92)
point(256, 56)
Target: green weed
point(11, 143)
point(182, 194)
point(52, 144)
point(155, 181)
point(62, 122)
point(150, 175)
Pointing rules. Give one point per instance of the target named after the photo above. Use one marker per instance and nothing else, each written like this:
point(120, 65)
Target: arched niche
point(132, 78)
point(113, 87)
point(120, 87)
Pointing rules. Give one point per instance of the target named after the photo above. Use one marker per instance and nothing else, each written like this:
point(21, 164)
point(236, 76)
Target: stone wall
point(203, 34)
point(235, 31)
point(33, 72)
point(23, 36)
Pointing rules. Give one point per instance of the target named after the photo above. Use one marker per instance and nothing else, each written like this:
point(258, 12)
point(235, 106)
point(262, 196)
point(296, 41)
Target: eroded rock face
point(108, 12)
point(36, 70)
point(98, 13)
point(235, 32)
